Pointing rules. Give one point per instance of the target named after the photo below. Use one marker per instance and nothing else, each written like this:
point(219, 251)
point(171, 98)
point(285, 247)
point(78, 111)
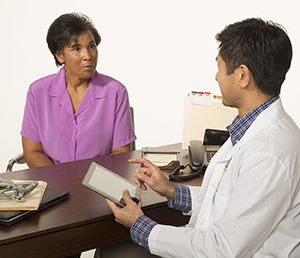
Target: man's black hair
point(263, 46)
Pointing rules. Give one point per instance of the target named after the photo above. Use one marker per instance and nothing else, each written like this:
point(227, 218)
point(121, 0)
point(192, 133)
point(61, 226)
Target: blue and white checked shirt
point(142, 227)
point(240, 125)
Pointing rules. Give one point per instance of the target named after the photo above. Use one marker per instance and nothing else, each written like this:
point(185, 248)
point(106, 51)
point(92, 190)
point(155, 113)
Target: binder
point(51, 197)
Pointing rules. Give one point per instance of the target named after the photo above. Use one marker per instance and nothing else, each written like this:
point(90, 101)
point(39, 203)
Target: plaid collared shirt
point(142, 227)
point(240, 125)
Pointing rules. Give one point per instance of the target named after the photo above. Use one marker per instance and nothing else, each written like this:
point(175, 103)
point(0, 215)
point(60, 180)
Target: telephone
point(200, 154)
point(196, 165)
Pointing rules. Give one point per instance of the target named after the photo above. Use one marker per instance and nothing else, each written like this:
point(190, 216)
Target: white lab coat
point(256, 210)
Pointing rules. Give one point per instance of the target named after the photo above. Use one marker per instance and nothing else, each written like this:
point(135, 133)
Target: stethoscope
point(16, 191)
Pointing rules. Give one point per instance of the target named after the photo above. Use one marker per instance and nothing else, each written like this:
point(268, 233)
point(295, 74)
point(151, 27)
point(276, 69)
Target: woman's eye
point(76, 49)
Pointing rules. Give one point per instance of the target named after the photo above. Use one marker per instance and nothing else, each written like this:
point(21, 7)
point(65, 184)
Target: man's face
point(228, 84)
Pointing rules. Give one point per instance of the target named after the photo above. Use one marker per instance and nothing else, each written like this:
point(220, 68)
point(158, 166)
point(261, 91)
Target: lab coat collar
point(262, 122)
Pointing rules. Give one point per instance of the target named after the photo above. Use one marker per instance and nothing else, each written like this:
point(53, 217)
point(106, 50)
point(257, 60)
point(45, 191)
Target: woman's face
point(80, 57)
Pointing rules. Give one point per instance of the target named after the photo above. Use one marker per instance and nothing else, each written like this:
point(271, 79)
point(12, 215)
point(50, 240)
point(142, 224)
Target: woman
point(76, 113)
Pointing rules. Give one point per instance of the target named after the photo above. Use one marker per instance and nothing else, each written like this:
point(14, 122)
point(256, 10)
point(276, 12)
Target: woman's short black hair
point(66, 28)
point(263, 46)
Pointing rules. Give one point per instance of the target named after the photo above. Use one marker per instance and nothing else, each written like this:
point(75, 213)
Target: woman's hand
point(127, 215)
point(154, 178)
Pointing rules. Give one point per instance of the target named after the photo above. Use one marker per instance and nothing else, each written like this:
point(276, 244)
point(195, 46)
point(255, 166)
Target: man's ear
point(60, 57)
point(245, 76)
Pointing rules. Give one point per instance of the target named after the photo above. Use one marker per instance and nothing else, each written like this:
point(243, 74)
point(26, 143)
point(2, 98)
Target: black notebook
point(51, 197)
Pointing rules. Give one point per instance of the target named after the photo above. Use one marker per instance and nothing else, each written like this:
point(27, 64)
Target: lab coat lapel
point(213, 176)
point(223, 155)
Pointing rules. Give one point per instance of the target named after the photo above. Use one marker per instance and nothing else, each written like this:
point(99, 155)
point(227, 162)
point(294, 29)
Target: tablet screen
point(109, 184)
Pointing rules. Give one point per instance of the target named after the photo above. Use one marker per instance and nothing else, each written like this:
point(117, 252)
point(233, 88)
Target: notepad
point(32, 202)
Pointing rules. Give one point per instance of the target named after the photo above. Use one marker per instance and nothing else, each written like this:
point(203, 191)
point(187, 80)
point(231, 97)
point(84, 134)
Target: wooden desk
point(82, 222)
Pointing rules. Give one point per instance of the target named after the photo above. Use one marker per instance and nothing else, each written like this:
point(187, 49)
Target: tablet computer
point(110, 185)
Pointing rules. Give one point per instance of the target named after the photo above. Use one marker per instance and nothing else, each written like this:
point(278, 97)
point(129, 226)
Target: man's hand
point(127, 215)
point(153, 177)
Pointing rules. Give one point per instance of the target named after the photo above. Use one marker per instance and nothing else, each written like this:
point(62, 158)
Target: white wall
point(160, 49)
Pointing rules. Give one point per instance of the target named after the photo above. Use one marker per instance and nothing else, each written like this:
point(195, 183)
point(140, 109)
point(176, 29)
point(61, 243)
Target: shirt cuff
point(141, 229)
point(183, 199)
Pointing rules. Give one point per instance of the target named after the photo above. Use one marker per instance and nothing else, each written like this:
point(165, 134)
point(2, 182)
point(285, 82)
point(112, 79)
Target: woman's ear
point(245, 76)
point(60, 57)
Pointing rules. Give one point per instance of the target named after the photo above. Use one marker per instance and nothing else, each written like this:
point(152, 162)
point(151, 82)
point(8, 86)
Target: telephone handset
point(195, 155)
point(195, 150)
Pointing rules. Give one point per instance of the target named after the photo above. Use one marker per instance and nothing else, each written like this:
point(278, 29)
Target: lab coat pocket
point(219, 206)
point(222, 195)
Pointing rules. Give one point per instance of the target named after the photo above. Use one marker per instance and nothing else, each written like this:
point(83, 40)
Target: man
point(249, 202)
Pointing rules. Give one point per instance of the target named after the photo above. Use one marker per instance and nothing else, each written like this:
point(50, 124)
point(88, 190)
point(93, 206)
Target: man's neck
point(251, 102)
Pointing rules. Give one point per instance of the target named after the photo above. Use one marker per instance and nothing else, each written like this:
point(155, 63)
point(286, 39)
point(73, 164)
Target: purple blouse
point(101, 122)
